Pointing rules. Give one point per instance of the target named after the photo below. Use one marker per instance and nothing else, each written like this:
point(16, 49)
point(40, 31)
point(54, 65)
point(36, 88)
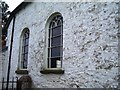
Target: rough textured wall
point(1, 70)
point(90, 44)
point(3, 66)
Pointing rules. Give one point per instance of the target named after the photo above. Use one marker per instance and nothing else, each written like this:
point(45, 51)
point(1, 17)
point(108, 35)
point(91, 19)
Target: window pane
point(53, 63)
point(56, 41)
point(55, 52)
point(25, 49)
point(56, 31)
point(26, 57)
point(26, 35)
point(25, 64)
point(26, 41)
point(52, 24)
point(61, 51)
point(59, 22)
point(23, 57)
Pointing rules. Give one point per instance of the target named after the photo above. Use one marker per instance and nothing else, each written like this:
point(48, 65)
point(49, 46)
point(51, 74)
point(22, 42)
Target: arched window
point(55, 42)
point(24, 49)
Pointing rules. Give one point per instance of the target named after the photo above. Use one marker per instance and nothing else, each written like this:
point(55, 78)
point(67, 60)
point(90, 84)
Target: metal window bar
point(12, 84)
point(2, 83)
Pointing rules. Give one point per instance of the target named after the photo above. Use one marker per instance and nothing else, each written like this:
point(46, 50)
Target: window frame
point(55, 20)
point(21, 70)
point(24, 51)
point(44, 68)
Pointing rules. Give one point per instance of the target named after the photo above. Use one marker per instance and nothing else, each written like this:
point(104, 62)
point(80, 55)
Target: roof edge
point(15, 11)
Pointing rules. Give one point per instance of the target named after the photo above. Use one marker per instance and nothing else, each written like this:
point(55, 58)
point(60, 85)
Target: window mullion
point(50, 47)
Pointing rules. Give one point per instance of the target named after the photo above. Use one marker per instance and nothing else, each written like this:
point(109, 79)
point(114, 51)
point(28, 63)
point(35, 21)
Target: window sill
point(52, 71)
point(21, 71)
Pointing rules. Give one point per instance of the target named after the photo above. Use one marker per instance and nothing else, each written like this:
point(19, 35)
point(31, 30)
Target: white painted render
point(90, 44)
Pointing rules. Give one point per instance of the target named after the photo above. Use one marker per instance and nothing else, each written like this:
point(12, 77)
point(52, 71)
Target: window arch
point(55, 42)
point(24, 49)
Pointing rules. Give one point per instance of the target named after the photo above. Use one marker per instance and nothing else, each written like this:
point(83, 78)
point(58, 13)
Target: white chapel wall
point(90, 44)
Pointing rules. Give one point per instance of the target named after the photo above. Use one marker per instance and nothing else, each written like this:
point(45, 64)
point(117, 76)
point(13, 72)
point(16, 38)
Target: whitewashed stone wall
point(90, 44)
point(3, 66)
point(1, 70)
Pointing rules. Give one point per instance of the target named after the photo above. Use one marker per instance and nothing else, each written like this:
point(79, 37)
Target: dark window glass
point(56, 31)
point(26, 56)
point(26, 49)
point(61, 51)
point(56, 41)
point(55, 52)
point(25, 64)
point(53, 63)
point(26, 41)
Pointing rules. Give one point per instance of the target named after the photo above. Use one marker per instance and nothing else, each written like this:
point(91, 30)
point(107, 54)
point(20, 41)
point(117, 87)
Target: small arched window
point(24, 49)
point(55, 42)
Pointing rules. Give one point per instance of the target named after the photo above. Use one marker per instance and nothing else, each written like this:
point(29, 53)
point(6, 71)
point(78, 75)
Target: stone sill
point(21, 71)
point(52, 71)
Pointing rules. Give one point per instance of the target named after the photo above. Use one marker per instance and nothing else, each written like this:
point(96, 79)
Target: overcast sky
point(13, 3)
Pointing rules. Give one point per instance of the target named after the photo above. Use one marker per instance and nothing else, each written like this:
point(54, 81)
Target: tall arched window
point(55, 42)
point(24, 49)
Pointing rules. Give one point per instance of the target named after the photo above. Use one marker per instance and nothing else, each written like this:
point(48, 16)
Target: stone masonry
point(90, 44)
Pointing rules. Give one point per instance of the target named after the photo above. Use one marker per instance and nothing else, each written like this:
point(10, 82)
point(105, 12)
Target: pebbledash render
point(86, 55)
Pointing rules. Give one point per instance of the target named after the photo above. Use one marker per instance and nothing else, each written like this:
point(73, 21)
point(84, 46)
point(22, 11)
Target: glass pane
point(53, 63)
point(25, 64)
point(26, 57)
point(26, 41)
point(52, 24)
point(23, 43)
point(59, 22)
point(56, 31)
point(25, 49)
point(55, 52)
point(26, 35)
point(23, 57)
point(61, 51)
point(56, 41)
